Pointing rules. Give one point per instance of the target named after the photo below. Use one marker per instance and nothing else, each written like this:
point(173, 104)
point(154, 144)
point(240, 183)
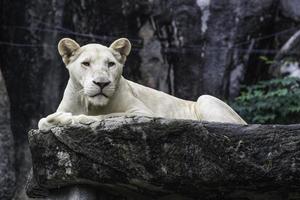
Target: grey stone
point(291, 9)
point(74, 193)
point(34, 75)
point(232, 27)
point(152, 158)
point(286, 61)
point(7, 156)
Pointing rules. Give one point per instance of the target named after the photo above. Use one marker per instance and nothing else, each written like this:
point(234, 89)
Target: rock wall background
point(183, 47)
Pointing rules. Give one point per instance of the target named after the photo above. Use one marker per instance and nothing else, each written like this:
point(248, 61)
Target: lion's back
point(163, 104)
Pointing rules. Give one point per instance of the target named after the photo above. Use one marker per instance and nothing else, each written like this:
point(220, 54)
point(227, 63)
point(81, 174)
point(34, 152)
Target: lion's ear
point(66, 48)
point(122, 46)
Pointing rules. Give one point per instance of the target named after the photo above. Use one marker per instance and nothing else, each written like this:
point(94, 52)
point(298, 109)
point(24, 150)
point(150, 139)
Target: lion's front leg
point(63, 118)
point(87, 119)
point(55, 119)
point(127, 114)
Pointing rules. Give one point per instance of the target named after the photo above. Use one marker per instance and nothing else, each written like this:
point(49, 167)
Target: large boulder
point(153, 158)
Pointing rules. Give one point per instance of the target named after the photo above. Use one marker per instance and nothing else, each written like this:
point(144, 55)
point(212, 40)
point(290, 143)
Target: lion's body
point(206, 108)
point(129, 98)
point(84, 102)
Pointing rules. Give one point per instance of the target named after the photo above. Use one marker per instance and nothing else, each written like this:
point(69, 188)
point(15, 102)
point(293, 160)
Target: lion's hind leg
point(212, 109)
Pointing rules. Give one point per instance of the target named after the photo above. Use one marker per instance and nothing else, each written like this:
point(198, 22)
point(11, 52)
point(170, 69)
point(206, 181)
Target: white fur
point(121, 96)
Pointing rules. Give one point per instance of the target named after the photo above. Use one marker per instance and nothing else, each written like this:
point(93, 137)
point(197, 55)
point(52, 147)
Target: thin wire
point(236, 45)
point(274, 51)
point(58, 29)
point(51, 25)
point(25, 45)
point(69, 32)
point(258, 51)
point(268, 36)
point(29, 45)
point(176, 50)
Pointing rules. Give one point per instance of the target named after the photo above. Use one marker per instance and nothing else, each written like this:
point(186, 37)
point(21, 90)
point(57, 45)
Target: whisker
point(81, 91)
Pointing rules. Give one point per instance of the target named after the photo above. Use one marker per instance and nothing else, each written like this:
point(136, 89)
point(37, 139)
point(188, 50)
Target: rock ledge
point(155, 158)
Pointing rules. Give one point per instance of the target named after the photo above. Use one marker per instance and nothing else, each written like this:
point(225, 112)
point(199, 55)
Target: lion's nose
point(102, 84)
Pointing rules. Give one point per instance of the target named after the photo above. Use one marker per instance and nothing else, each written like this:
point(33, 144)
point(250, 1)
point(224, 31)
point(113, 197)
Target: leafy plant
point(273, 101)
point(266, 60)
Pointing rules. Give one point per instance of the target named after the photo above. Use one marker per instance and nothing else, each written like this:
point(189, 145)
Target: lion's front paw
point(55, 119)
point(84, 119)
point(43, 125)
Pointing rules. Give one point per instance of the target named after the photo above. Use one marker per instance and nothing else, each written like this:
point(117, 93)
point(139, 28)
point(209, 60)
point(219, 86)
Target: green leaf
point(272, 101)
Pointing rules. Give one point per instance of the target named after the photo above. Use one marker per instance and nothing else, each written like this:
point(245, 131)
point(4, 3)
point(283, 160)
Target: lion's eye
point(111, 64)
point(86, 64)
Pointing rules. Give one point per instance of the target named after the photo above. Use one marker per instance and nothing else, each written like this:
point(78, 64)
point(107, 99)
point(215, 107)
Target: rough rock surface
point(7, 156)
point(154, 158)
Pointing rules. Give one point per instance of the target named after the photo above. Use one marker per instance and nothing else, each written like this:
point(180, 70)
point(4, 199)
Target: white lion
point(97, 90)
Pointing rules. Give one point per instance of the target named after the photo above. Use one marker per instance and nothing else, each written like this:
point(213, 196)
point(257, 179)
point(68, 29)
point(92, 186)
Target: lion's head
point(95, 69)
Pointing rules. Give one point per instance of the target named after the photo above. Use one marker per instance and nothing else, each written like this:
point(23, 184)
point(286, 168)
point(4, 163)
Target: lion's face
point(98, 72)
point(96, 68)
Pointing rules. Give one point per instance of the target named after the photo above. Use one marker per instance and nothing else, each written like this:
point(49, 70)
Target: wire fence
point(49, 28)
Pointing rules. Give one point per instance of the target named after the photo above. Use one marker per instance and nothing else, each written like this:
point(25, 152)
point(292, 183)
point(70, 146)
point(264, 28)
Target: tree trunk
point(7, 152)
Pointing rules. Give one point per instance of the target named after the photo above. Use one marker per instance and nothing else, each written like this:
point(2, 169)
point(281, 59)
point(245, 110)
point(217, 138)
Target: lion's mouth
point(98, 94)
